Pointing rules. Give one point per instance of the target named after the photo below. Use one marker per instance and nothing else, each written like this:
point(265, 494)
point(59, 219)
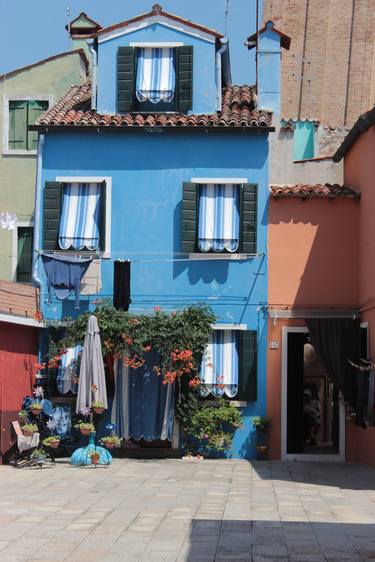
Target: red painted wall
point(18, 355)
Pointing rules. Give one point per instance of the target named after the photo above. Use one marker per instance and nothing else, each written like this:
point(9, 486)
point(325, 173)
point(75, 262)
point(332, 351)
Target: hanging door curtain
point(219, 369)
point(143, 406)
point(68, 370)
point(219, 217)
point(156, 75)
point(79, 224)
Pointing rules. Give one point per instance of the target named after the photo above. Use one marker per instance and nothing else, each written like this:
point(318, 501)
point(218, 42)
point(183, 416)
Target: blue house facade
point(161, 164)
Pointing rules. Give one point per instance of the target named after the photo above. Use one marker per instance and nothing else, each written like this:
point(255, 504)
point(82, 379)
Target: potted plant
point(23, 415)
point(262, 426)
point(111, 441)
point(98, 406)
point(36, 408)
point(94, 456)
point(53, 441)
point(29, 428)
point(85, 427)
point(38, 456)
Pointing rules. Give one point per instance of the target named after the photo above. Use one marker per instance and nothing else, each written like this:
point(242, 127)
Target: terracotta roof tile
point(238, 110)
point(304, 191)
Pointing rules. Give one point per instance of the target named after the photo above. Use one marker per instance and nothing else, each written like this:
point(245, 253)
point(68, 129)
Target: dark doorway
point(312, 401)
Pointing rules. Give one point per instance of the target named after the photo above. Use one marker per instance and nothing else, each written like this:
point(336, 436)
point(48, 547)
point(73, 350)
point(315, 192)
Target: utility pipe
point(219, 52)
point(37, 212)
point(94, 72)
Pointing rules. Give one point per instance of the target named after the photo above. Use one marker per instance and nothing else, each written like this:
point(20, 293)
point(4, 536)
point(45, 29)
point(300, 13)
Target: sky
point(32, 30)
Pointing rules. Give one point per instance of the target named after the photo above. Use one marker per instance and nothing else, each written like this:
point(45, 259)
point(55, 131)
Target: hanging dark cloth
point(64, 275)
point(121, 285)
point(336, 341)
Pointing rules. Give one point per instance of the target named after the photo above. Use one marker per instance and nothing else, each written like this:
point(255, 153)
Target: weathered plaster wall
point(204, 85)
point(147, 175)
point(17, 173)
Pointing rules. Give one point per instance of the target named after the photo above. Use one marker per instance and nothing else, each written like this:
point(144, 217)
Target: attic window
point(156, 74)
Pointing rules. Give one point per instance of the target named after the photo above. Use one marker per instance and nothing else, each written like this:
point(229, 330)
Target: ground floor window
point(24, 253)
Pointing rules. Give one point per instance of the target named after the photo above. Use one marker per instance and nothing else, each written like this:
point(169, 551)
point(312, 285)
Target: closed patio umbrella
point(92, 369)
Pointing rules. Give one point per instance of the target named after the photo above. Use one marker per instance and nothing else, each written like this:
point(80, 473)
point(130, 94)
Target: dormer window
point(154, 78)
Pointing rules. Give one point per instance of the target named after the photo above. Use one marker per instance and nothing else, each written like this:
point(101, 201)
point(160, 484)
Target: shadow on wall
point(313, 252)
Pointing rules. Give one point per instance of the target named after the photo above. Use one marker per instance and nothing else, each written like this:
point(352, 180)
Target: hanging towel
point(91, 283)
point(69, 370)
point(79, 224)
point(156, 75)
point(219, 217)
point(219, 369)
point(8, 221)
point(121, 285)
point(64, 275)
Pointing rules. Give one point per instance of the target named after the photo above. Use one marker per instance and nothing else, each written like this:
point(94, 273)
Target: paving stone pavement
point(180, 511)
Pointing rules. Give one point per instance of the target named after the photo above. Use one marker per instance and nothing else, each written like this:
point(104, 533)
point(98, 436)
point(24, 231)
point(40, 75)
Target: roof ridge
point(80, 52)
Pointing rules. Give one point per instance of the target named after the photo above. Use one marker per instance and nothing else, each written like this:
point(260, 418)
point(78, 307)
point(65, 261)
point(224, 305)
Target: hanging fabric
point(8, 221)
point(219, 217)
point(91, 283)
point(80, 216)
point(143, 406)
point(68, 370)
point(121, 285)
point(61, 422)
point(156, 75)
point(64, 275)
point(219, 369)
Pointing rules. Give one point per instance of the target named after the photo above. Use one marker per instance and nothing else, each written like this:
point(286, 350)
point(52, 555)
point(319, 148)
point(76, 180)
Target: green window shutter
point(24, 254)
point(17, 125)
point(184, 82)
point(53, 192)
point(125, 78)
point(35, 110)
point(102, 227)
point(189, 217)
point(249, 218)
point(248, 366)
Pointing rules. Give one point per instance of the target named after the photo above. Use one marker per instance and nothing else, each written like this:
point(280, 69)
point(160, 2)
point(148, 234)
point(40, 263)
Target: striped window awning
point(219, 369)
point(79, 223)
point(156, 74)
point(68, 371)
point(219, 217)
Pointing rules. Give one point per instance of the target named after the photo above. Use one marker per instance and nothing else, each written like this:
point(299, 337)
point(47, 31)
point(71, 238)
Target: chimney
point(268, 42)
point(81, 29)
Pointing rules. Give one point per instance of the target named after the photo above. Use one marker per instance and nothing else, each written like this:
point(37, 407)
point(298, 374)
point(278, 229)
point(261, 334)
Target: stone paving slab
point(182, 511)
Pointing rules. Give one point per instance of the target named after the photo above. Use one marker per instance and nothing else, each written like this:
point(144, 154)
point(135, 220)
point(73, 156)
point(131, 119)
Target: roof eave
point(151, 129)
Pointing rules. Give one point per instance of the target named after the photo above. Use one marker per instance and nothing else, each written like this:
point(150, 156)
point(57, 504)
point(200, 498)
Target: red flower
point(157, 308)
point(129, 341)
point(193, 383)
point(147, 348)
point(40, 366)
point(38, 316)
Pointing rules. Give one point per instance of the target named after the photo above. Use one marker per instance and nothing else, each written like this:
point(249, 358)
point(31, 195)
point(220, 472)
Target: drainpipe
point(94, 56)
point(224, 46)
point(37, 211)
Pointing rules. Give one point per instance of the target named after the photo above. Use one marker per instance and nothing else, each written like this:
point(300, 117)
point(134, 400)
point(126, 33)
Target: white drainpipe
point(224, 46)
point(94, 56)
point(37, 214)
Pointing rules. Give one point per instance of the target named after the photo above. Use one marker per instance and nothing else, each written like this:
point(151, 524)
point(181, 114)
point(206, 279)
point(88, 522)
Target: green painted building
point(25, 93)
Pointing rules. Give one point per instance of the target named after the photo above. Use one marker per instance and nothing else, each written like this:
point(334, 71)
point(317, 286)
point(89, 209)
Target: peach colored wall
point(312, 248)
point(359, 171)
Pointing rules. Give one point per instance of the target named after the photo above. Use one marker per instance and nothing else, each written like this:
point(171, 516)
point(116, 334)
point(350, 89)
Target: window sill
point(83, 253)
point(31, 153)
point(235, 403)
point(218, 256)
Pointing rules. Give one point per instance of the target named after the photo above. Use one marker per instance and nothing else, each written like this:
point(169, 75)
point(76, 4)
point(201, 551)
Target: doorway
point(313, 415)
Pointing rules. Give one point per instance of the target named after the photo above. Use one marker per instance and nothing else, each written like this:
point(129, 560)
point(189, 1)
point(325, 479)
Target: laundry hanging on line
point(121, 285)
point(8, 221)
point(64, 275)
point(91, 283)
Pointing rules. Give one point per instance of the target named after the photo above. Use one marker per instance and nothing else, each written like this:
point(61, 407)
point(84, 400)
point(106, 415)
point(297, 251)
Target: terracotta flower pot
point(99, 410)
point(36, 411)
point(109, 445)
point(95, 459)
point(85, 431)
point(27, 432)
point(262, 449)
point(54, 444)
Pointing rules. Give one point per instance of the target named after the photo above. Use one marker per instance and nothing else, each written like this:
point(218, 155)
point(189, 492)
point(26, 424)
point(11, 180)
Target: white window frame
point(217, 255)
point(19, 224)
point(156, 44)
point(106, 254)
point(37, 97)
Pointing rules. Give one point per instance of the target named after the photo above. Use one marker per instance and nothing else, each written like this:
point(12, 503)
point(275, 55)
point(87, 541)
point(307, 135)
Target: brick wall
point(329, 72)
point(18, 299)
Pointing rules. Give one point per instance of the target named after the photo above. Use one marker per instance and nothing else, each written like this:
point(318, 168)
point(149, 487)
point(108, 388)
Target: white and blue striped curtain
point(156, 74)
point(219, 369)
point(219, 217)
point(68, 370)
point(79, 223)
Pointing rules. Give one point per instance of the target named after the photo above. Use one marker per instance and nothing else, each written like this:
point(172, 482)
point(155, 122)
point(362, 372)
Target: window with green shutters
point(24, 254)
point(23, 113)
point(126, 82)
point(248, 219)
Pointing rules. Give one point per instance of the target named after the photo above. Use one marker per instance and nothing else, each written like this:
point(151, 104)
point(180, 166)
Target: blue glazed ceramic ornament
point(82, 456)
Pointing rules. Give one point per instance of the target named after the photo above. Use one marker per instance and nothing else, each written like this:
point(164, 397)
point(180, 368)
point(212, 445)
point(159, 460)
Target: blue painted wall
point(204, 85)
point(147, 175)
point(269, 70)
